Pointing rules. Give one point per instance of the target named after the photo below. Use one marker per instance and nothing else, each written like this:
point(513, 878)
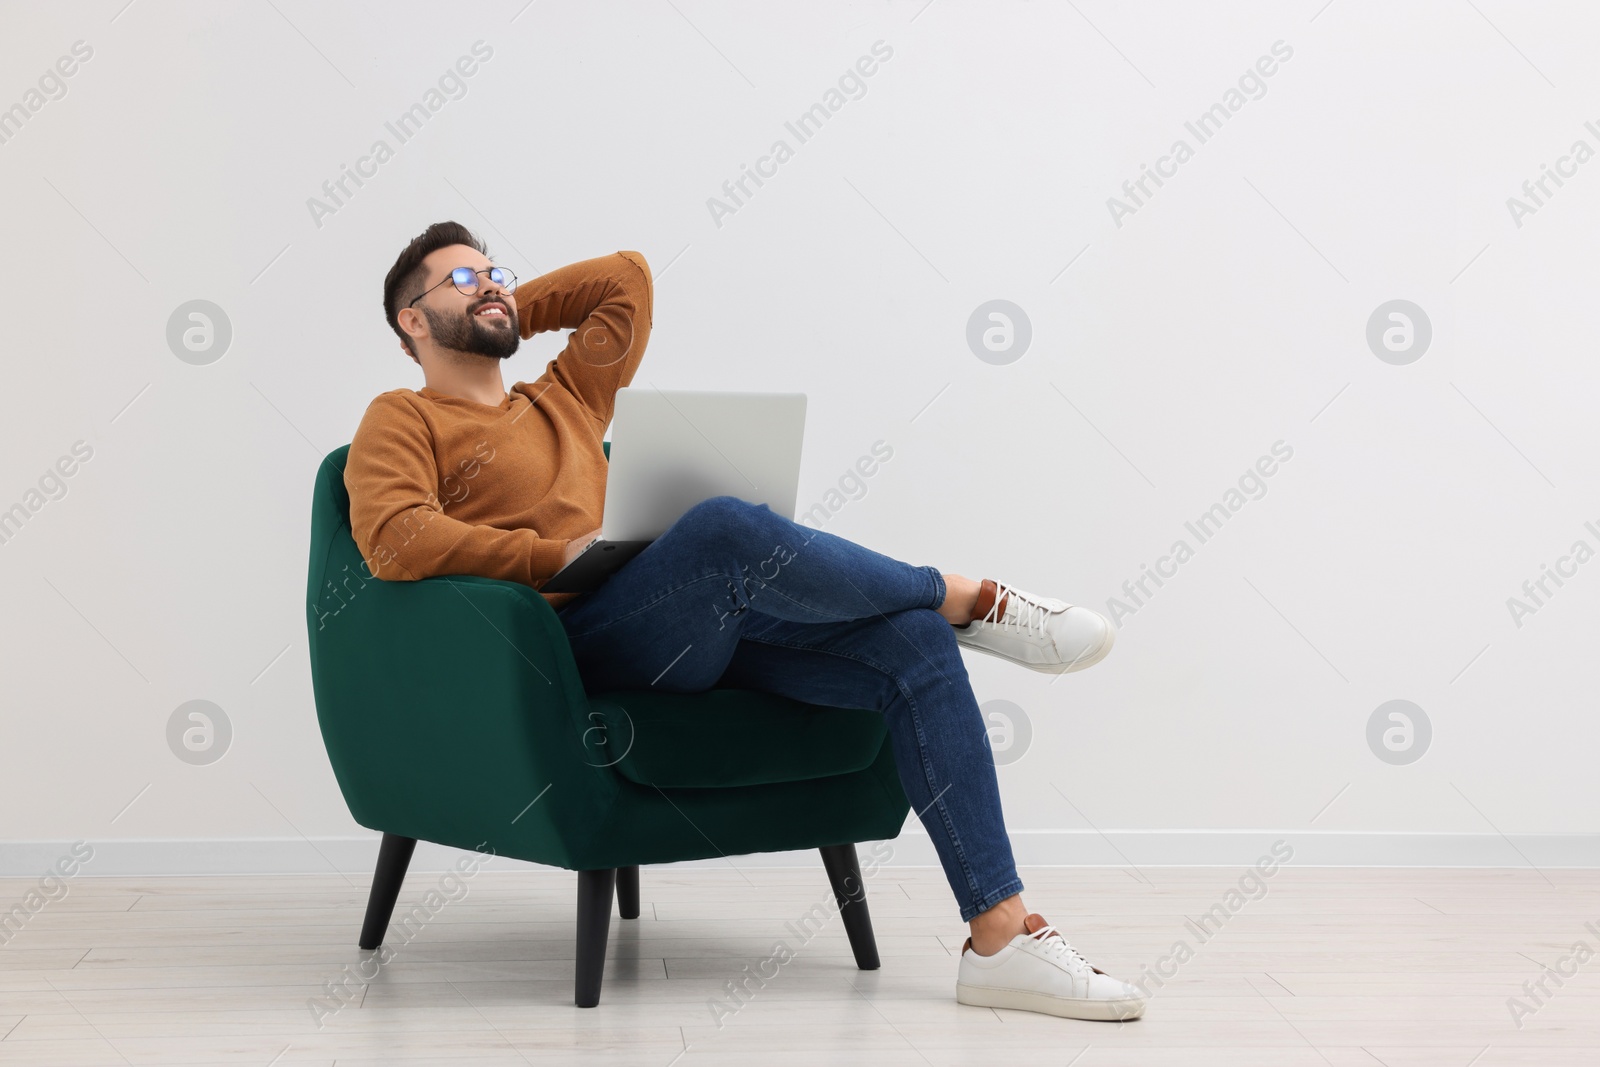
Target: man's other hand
point(576, 545)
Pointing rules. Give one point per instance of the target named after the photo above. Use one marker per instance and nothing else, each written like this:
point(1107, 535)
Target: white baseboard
point(1051, 848)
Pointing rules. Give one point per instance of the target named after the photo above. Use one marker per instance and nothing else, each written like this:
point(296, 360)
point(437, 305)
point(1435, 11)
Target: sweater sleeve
point(608, 304)
point(399, 522)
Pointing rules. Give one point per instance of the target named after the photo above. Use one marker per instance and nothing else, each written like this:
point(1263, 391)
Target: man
point(462, 477)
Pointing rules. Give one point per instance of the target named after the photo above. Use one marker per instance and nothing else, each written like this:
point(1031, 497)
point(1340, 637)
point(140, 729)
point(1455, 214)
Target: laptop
point(672, 449)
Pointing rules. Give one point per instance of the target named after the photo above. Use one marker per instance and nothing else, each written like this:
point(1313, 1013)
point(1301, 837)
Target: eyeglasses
point(465, 279)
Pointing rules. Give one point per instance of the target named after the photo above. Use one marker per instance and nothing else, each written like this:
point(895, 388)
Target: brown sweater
point(445, 485)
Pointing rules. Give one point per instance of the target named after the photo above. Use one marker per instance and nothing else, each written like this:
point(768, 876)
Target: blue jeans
point(734, 595)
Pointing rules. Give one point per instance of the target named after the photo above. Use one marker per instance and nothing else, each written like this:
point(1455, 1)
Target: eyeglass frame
point(451, 277)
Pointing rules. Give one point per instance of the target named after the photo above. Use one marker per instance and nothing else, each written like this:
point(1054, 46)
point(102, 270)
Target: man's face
point(483, 324)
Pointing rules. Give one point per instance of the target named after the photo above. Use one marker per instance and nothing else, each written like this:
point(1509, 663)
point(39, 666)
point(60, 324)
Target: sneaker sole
point(1065, 1007)
point(1044, 668)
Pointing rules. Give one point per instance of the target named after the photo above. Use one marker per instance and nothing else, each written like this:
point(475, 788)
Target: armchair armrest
point(453, 712)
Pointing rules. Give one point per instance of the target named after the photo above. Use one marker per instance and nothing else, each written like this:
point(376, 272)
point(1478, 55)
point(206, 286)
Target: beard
point(495, 338)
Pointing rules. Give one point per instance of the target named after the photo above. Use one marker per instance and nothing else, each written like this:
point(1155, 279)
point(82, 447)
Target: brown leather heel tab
point(987, 589)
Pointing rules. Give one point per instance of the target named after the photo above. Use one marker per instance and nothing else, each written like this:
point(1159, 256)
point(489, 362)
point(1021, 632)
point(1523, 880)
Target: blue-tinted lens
point(465, 280)
point(500, 276)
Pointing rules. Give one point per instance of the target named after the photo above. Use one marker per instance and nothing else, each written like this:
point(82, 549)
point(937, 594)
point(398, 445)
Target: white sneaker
point(1040, 971)
point(1041, 633)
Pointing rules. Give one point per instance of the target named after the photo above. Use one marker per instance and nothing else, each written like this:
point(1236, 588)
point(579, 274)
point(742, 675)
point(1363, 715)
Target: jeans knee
point(926, 624)
point(927, 637)
point(723, 520)
point(718, 505)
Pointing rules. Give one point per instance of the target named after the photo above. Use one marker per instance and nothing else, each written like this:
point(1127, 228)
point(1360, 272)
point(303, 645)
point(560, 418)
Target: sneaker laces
point(1058, 948)
point(1027, 618)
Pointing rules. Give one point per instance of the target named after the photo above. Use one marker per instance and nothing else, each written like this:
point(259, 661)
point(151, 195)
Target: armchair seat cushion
point(726, 738)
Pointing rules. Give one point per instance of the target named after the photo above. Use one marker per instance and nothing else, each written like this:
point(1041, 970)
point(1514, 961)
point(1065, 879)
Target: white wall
point(1168, 353)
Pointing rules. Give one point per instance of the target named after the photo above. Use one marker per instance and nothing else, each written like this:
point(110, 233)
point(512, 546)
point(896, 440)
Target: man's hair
point(405, 279)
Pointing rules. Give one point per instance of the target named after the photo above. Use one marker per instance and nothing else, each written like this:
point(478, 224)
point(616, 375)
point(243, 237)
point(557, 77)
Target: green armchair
point(452, 711)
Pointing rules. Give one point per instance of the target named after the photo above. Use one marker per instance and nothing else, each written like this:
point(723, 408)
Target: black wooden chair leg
point(851, 893)
point(595, 889)
point(394, 856)
point(628, 892)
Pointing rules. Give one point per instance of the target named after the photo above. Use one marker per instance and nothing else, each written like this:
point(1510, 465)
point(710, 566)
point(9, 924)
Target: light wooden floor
point(1331, 967)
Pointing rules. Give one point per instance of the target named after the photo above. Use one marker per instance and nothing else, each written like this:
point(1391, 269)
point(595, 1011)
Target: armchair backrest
point(332, 543)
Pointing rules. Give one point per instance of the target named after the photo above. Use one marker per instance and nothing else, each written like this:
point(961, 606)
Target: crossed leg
point(908, 666)
point(735, 594)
